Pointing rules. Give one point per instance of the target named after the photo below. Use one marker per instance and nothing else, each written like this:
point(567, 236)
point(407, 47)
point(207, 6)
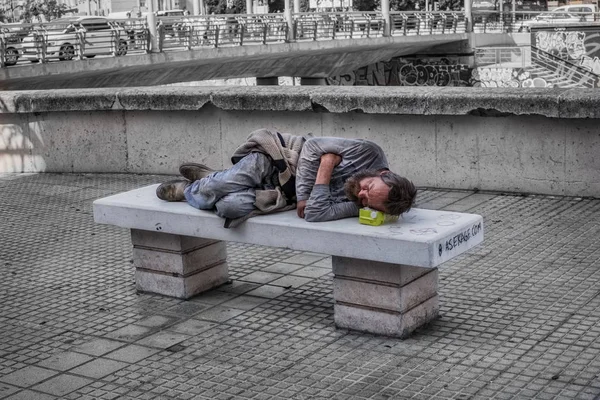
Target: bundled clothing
point(261, 180)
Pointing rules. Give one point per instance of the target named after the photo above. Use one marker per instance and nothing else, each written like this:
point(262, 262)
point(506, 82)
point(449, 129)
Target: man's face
point(368, 191)
point(373, 193)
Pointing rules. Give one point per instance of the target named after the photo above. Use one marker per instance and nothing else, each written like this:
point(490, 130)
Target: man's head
point(381, 190)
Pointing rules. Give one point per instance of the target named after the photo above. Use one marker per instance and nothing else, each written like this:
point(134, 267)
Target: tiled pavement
point(519, 314)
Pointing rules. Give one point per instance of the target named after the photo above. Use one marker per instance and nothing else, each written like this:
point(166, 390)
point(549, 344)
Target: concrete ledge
point(553, 103)
point(534, 141)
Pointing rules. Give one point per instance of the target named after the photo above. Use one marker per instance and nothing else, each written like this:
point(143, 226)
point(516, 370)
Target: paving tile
point(238, 287)
point(156, 321)
point(291, 281)
point(132, 353)
point(65, 361)
point(282, 268)
point(187, 308)
point(6, 389)
point(129, 333)
point(267, 291)
point(192, 327)
point(27, 376)
point(261, 277)
point(305, 258)
point(214, 297)
point(245, 302)
point(219, 313)
point(311, 272)
point(98, 347)
point(99, 368)
point(163, 339)
point(61, 385)
point(31, 395)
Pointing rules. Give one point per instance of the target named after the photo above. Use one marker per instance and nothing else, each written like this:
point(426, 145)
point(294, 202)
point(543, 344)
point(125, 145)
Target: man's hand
point(300, 206)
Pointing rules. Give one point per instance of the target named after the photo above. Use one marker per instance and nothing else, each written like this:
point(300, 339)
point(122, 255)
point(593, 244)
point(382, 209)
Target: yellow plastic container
point(368, 216)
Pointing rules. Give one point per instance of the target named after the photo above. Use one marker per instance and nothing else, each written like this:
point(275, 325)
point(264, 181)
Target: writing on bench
point(461, 237)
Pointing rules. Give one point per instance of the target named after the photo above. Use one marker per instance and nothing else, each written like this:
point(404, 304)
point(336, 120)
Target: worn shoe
point(172, 190)
point(194, 172)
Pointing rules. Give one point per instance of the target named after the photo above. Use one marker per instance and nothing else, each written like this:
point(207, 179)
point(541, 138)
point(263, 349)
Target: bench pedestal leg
point(382, 298)
point(177, 266)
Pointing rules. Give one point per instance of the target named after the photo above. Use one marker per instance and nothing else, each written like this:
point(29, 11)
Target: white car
point(12, 35)
point(565, 15)
point(64, 37)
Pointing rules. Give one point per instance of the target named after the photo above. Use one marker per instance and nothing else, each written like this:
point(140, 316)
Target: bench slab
point(423, 238)
point(385, 277)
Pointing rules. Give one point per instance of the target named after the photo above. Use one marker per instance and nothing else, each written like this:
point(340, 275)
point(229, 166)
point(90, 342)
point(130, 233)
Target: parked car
point(13, 35)
point(587, 11)
point(554, 18)
point(64, 36)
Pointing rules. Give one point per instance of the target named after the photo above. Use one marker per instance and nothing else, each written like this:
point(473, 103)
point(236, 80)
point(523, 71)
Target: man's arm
point(328, 162)
point(320, 206)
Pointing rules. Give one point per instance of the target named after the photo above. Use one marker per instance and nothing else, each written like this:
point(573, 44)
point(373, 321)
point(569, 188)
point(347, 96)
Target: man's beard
point(352, 184)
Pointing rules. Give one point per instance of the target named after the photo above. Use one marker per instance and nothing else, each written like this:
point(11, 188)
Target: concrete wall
point(539, 141)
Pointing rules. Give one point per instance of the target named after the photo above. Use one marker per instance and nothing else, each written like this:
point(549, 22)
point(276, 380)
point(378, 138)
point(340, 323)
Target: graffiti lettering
point(402, 72)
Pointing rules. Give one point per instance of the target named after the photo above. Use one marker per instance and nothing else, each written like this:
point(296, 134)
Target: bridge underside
point(304, 59)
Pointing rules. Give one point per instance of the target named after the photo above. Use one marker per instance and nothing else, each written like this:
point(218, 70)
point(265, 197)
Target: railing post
point(217, 36)
point(385, 13)
point(151, 21)
point(242, 26)
point(160, 37)
point(81, 39)
point(288, 16)
point(2, 52)
point(469, 15)
point(334, 27)
point(114, 40)
point(265, 31)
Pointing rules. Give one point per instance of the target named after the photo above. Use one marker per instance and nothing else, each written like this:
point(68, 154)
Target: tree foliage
point(39, 10)
point(226, 6)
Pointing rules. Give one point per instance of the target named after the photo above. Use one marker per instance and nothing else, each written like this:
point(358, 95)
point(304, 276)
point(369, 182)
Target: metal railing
point(50, 41)
point(63, 41)
point(515, 57)
point(524, 21)
point(427, 23)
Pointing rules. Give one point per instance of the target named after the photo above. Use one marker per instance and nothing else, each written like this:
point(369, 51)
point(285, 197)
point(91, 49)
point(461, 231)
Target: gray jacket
point(328, 202)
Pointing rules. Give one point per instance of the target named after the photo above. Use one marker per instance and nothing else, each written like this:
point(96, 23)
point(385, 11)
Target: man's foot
point(172, 190)
point(194, 172)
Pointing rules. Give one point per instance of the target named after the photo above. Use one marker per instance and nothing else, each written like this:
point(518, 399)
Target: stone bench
point(385, 278)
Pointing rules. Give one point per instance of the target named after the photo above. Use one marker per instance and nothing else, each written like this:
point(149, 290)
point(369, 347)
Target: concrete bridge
point(201, 48)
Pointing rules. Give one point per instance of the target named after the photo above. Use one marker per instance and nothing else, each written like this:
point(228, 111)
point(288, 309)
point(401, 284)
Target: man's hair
point(400, 198)
point(402, 193)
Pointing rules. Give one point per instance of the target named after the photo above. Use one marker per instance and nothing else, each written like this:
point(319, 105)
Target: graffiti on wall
point(579, 46)
point(406, 72)
point(506, 77)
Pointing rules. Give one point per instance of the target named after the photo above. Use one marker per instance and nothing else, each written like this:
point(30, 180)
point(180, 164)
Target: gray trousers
point(232, 192)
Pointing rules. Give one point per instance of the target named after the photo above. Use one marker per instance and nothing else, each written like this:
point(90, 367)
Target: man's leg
point(249, 173)
point(236, 205)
